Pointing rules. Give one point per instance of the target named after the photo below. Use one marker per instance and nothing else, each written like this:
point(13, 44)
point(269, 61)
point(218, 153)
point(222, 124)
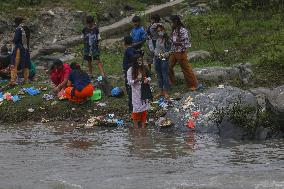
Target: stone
point(197, 55)
point(62, 57)
point(205, 103)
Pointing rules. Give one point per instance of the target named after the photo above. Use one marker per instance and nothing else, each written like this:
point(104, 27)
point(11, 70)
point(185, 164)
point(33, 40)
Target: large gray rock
point(241, 72)
point(205, 103)
point(196, 55)
point(274, 100)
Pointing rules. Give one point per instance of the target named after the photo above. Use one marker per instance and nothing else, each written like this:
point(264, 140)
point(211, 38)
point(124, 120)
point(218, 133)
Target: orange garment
point(79, 96)
point(139, 116)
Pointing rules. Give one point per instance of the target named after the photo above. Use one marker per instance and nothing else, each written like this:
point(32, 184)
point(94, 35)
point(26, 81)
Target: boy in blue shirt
point(138, 33)
point(91, 36)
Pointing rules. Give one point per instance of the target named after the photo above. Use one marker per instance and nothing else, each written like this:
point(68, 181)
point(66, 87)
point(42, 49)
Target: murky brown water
point(45, 157)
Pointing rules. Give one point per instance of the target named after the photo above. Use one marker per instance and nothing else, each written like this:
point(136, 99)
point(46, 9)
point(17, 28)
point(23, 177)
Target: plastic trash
point(48, 97)
point(120, 123)
point(32, 91)
point(195, 114)
point(100, 78)
point(3, 81)
point(7, 96)
point(15, 98)
point(31, 110)
point(116, 92)
point(1, 95)
point(97, 95)
point(101, 104)
point(110, 116)
point(221, 87)
point(190, 124)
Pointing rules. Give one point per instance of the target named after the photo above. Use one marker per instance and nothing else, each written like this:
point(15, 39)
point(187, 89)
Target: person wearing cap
point(21, 54)
point(180, 45)
point(59, 74)
point(79, 85)
point(5, 63)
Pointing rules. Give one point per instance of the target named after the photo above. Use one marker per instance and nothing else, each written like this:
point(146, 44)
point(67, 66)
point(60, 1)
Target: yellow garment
point(14, 70)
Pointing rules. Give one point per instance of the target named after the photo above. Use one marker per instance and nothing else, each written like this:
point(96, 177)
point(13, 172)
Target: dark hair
point(155, 17)
point(18, 20)
point(128, 40)
point(90, 20)
point(57, 63)
point(177, 20)
point(75, 66)
point(136, 19)
point(136, 68)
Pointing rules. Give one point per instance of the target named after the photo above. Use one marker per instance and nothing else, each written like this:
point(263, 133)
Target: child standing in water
point(91, 37)
point(139, 79)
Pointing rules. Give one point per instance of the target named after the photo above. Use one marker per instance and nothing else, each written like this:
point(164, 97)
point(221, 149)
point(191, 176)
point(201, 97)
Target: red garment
point(140, 116)
point(57, 76)
point(79, 96)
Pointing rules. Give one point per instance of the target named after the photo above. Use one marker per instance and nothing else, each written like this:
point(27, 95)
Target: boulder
point(274, 100)
point(62, 57)
point(205, 103)
point(196, 55)
point(218, 74)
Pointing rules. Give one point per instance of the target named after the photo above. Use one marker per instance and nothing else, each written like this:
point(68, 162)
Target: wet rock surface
point(204, 103)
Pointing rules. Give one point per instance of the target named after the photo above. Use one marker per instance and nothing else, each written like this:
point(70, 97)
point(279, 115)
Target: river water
point(37, 156)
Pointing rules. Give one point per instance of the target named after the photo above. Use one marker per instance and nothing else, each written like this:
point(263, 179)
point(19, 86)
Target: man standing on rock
point(180, 45)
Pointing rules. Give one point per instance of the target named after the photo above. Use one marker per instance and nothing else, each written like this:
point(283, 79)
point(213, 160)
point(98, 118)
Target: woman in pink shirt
point(59, 74)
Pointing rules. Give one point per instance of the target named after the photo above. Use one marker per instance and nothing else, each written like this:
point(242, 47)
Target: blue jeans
point(162, 70)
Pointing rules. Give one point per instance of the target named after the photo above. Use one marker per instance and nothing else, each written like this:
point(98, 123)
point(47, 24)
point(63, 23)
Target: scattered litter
point(164, 122)
point(54, 103)
point(116, 92)
point(110, 116)
point(3, 81)
point(31, 91)
point(97, 95)
point(100, 78)
point(42, 108)
point(43, 120)
point(61, 95)
point(101, 104)
point(48, 97)
point(42, 88)
point(221, 87)
point(31, 110)
point(15, 98)
point(73, 109)
point(195, 114)
point(190, 124)
point(120, 123)
point(8, 96)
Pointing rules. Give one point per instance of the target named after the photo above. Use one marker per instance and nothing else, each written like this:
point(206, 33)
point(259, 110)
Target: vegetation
point(248, 117)
point(257, 37)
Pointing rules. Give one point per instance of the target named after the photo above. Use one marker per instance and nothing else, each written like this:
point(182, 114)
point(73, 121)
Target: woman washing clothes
point(79, 85)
